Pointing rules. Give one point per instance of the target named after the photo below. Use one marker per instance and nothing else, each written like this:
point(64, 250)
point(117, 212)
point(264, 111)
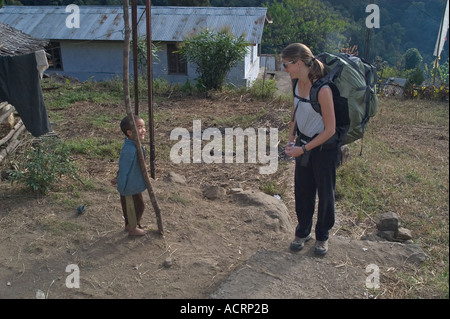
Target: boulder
point(271, 207)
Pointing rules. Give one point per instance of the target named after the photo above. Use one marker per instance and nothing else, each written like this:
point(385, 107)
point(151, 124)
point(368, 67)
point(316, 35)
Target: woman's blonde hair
point(299, 51)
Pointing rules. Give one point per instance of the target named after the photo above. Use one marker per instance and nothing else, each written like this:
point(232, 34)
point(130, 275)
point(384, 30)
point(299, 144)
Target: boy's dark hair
point(125, 124)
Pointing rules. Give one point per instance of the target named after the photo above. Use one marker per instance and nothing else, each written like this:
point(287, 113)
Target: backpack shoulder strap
point(294, 86)
point(314, 93)
point(326, 80)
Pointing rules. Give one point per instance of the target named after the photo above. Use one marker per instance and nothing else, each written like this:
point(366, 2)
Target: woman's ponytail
point(316, 70)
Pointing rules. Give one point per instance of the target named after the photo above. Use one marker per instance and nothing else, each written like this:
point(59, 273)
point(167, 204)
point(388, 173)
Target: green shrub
point(214, 55)
point(161, 86)
point(264, 89)
point(415, 78)
point(272, 187)
point(44, 164)
point(430, 92)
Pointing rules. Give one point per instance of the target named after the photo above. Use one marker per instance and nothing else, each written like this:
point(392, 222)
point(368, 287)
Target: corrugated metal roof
point(106, 22)
point(15, 42)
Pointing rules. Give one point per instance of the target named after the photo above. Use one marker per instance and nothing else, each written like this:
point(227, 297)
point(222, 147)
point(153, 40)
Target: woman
point(315, 149)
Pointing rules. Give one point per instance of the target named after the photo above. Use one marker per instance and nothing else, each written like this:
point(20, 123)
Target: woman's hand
point(292, 150)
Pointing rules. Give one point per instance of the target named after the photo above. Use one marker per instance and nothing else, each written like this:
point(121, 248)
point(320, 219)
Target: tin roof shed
point(169, 24)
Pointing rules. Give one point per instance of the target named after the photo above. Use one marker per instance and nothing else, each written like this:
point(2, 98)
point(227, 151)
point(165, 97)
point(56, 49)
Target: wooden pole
point(126, 88)
point(135, 55)
point(148, 8)
point(437, 49)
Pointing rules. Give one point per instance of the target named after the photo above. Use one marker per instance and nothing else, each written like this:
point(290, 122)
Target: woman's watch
point(304, 148)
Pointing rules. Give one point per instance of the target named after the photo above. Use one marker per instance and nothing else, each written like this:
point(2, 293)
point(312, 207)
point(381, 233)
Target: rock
point(213, 192)
point(175, 178)
point(274, 224)
point(270, 273)
point(403, 234)
point(372, 237)
point(415, 254)
point(388, 229)
point(168, 262)
point(387, 234)
point(40, 294)
point(236, 190)
point(273, 208)
point(388, 222)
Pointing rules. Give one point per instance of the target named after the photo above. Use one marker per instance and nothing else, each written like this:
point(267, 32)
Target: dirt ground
point(211, 248)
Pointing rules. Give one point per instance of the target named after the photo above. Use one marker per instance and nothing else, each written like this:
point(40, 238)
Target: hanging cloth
point(20, 85)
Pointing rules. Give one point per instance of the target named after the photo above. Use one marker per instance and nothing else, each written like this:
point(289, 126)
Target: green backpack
point(356, 81)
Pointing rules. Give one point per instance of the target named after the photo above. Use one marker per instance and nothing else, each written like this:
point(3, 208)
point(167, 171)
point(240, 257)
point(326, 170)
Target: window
point(55, 60)
point(176, 62)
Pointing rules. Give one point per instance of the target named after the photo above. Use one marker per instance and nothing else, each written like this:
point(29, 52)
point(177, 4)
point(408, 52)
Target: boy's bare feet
point(136, 232)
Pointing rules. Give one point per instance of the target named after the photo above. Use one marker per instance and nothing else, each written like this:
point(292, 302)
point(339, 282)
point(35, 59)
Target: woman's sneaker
point(321, 247)
point(299, 243)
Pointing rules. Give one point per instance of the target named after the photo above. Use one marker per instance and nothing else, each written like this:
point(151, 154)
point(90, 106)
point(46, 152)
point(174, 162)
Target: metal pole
point(148, 20)
point(135, 55)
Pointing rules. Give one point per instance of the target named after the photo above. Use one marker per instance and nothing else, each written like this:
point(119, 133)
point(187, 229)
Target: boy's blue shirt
point(129, 177)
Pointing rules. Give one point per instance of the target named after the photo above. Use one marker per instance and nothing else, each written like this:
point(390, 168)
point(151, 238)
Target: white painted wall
point(102, 60)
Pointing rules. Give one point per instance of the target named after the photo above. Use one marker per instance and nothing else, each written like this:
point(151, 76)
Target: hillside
point(404, 24)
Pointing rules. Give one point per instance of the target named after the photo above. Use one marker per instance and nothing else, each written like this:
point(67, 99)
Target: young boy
point(130, 182)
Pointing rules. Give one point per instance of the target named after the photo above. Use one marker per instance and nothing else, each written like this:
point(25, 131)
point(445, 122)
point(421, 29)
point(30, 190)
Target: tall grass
point(404, 168)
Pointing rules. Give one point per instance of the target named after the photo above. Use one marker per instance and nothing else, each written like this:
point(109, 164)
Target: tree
point(214, 54)
point(404, 24)
point(190, 3)
point(12, 3)
point(306, 21)
point(413, 59)
point(416, 78)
